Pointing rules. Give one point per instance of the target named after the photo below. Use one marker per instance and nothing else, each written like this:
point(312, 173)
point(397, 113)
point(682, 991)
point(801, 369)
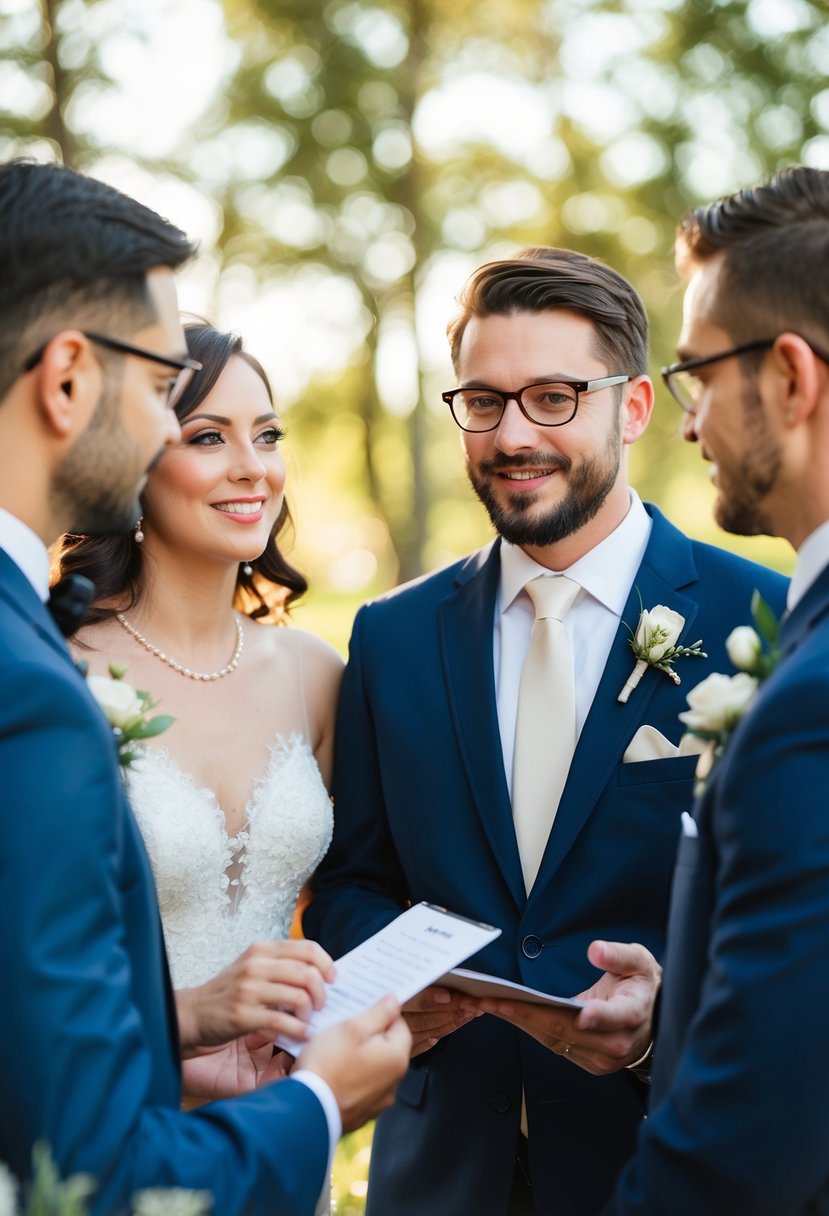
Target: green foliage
point(47, 1194)
point(350, 1173)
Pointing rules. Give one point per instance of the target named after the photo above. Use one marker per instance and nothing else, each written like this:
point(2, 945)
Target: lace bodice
point(217, 893)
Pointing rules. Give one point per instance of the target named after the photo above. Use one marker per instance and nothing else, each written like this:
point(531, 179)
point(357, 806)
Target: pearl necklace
point(179, 667)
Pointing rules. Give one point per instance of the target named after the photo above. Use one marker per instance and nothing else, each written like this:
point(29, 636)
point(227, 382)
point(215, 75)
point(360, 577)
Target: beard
point(587, 487)
point(737, 509)
point(97, 484)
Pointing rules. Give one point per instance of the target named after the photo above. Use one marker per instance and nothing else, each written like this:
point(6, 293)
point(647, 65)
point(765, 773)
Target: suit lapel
point(805, 615)
point(668, 564)
point(465, 624)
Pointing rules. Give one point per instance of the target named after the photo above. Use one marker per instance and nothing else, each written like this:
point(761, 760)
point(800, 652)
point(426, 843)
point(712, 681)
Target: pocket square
point(650, 744)
point(689, 826)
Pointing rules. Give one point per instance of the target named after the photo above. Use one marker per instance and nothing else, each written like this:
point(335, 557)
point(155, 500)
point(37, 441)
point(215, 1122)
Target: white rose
point(744, 647)
point(669, 622)
point(119, 701)
point(8, 1192)
point(175, 1202)
point(719, 701)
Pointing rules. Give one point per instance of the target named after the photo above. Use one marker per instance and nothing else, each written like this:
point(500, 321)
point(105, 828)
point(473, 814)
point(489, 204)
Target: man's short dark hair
point(774, 240)
point(540, 279)
point(73, 251)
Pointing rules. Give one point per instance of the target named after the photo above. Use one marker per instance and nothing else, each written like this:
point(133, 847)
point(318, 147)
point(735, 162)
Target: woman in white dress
point(232, 799)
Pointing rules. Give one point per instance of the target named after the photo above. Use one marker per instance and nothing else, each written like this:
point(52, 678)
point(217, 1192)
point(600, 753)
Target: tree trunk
point(55, 127)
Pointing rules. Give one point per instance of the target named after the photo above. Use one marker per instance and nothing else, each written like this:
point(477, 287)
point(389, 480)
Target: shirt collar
point(606, 572)
point(812, 558)
point(26, 550)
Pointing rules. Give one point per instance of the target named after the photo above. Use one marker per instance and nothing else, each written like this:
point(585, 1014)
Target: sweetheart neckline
point(281, 749)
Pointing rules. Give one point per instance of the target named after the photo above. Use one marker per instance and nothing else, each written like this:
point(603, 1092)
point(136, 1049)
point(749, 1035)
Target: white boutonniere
point(126, 710)
point(719, 702)
point(654, 644)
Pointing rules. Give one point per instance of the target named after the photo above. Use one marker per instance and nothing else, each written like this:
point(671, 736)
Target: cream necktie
point(545, 732)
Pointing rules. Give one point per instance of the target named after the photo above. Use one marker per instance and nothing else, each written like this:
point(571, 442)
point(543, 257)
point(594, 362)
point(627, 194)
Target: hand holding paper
point(403, 958)
point(610, 1023)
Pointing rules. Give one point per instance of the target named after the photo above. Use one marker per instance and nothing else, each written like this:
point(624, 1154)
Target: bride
point(232, 800)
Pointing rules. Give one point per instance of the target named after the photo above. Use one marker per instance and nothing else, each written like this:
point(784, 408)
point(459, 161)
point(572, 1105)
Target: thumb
point(378, 1018)
point(620, 958)
point(255, 1039)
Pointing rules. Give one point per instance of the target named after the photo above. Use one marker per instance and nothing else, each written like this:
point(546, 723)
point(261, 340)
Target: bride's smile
point(219, 491)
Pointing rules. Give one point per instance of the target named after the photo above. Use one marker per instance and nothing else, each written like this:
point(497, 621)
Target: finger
point(290, 981)
point(425, 1022)
point(275, 1070)
point(622, 958)
point(430, 997)
point(618, 1015)
point(378, 1018)
point(434, 1033)
point(261, 956)
point(291, 1027)
point(399, 1036)
point(554, 1023)
point(312, 953)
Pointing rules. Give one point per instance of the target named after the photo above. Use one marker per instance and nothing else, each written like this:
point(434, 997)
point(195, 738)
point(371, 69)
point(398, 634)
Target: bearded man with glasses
point(558, 824)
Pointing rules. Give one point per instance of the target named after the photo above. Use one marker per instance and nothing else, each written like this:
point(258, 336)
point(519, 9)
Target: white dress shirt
point(26, 550)
point(812, 559)
point(605, 575)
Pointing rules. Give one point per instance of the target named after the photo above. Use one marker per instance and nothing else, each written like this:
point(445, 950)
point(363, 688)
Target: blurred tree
point(668, 105)
point(333, 87)
point(47, 59)
point(369, 149)
point(617, 128)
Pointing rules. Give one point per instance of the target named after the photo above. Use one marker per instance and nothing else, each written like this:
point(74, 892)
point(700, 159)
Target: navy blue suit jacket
point(422, 811)
point(88, 1035)
point(740, 1105)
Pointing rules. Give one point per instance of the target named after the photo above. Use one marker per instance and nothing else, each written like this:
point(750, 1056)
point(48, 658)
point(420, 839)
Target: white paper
point(477, 983)
point(403, 958)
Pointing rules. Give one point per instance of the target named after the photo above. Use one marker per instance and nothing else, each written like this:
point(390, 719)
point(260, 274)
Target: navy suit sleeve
point(359, 887)
point(88, 1054)
point(744, 1125)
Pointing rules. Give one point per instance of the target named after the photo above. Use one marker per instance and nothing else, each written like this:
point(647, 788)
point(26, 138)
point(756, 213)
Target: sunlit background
point(346, 164)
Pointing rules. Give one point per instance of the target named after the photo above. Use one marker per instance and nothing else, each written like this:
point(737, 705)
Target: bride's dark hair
point(115, 563)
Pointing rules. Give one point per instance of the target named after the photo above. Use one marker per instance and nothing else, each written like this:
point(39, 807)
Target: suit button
point(532, 946)
point(499, 1102)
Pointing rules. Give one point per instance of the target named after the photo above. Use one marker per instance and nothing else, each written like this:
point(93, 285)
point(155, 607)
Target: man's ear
point(69, 382)
point(800, 377)
point(636, 408)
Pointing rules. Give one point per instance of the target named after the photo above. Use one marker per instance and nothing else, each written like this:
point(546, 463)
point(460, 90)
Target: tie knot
point(552, 596)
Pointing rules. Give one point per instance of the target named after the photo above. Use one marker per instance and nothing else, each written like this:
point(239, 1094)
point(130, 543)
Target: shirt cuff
point(328, 1102)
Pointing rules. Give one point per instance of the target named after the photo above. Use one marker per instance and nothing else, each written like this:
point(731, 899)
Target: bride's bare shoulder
point(278, 641)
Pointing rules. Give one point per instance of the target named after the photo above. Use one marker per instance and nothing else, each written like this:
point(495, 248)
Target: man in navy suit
point(91, 355)
point(550, 349)
point(739, 1115)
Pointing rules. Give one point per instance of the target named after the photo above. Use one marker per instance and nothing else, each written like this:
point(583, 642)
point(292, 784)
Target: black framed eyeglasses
point(186, 368)
point(552, 403)
point(686, 388)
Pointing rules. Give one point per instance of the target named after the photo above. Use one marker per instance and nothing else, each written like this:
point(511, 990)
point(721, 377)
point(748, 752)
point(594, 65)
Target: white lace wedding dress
point(219, 893)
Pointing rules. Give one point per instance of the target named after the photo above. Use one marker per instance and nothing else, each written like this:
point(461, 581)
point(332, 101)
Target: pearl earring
point(247, 569)
point(138, 534)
